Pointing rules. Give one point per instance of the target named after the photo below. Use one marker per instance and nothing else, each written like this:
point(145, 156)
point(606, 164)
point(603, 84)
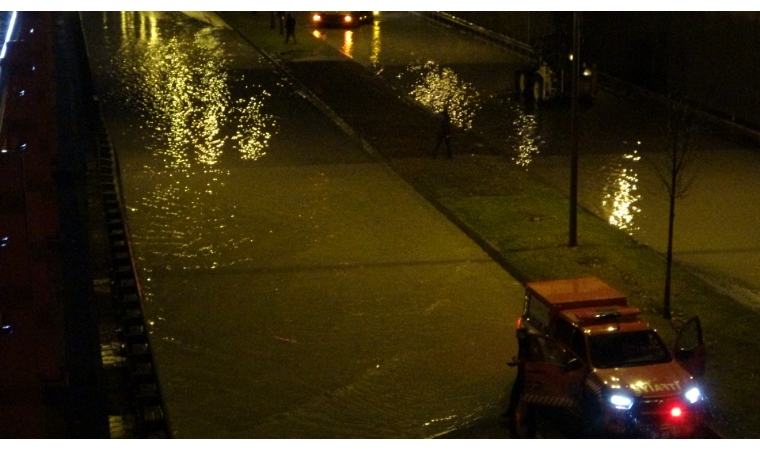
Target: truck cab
point(584, 349)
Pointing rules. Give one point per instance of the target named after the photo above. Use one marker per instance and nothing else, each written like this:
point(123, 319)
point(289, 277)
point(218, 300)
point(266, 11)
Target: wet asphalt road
point(294, 286)
point(186, 175)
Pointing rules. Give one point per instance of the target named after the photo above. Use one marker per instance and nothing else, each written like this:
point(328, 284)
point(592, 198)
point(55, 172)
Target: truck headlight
point(693, 395)
point(621, 401)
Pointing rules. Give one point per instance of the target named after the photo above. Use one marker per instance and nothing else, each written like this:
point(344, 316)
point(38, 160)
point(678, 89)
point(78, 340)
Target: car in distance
point(341, 19)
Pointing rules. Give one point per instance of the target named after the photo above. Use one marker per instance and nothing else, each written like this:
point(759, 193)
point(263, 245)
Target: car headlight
point(621, 401)
point(693, 395)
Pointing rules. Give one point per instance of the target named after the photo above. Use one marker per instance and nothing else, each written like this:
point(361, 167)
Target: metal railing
point(718, 119)
point(497, 38)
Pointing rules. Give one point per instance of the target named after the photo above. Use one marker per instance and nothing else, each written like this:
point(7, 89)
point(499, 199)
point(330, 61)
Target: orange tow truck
point(582, 349)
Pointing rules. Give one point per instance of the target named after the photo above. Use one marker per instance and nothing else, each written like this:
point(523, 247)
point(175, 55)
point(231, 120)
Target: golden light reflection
point(620, 192)
point(211, 99)
point(252, 132)
point(125, 22)
point(183, 88)
point(437, 87)
point(168, 79)
point(144, 27)
point(153, 29)
point(526, 128)
point(145, 23)
point(374, 56)
point(348, 43)
point(180, 87)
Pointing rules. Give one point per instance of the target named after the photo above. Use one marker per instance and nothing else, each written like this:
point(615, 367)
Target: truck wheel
point(523, 423)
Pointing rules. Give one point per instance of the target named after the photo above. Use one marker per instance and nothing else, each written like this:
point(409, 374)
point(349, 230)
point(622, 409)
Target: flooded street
point(622, 146)
point(294, 285)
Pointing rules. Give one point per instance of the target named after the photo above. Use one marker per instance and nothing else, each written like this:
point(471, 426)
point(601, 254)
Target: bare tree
point(676, 173)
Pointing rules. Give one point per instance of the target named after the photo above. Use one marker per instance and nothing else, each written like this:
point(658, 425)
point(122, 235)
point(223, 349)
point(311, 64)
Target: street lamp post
point(573, 241)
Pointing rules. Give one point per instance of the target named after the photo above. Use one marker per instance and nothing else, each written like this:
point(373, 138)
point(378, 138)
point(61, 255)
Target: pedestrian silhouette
point(444, 133)
point(290, 28)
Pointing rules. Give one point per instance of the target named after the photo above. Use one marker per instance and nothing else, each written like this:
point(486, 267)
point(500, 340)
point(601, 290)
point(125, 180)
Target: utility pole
point(673, 192)
point(573, 241)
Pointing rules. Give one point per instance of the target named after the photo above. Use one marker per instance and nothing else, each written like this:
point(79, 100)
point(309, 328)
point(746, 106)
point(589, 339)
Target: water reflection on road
point(180, 85)
point(439, 87)
point(295, 287)
point(618, 182)
point(348, 43)
point(526, 129)
point(620, 192)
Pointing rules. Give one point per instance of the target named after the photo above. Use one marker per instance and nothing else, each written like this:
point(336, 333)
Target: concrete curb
point(136, 408)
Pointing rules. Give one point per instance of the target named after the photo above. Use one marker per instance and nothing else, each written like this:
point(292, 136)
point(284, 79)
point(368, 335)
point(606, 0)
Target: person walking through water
point(290, 28)
point(444, 133)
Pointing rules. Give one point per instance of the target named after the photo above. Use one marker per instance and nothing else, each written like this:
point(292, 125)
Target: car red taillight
point(676, 412)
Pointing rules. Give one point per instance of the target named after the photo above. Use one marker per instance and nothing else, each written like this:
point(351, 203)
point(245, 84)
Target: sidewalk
point(519, 221)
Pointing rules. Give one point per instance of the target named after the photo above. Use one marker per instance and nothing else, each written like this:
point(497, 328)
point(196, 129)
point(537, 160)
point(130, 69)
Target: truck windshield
point(634, 348)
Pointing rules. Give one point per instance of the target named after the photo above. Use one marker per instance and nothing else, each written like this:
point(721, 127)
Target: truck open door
point(690, 349)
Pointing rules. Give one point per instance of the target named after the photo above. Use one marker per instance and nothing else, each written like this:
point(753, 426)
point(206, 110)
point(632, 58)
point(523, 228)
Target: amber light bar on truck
point(600, 314)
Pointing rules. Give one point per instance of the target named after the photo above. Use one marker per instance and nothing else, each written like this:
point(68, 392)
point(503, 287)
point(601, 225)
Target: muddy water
point(294, 286)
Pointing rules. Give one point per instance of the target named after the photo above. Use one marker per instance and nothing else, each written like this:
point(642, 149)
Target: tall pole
point(671, 219)
point(573, 241)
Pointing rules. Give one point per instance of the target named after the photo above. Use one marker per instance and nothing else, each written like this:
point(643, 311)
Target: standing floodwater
point(622, 144)
point(294, 286)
